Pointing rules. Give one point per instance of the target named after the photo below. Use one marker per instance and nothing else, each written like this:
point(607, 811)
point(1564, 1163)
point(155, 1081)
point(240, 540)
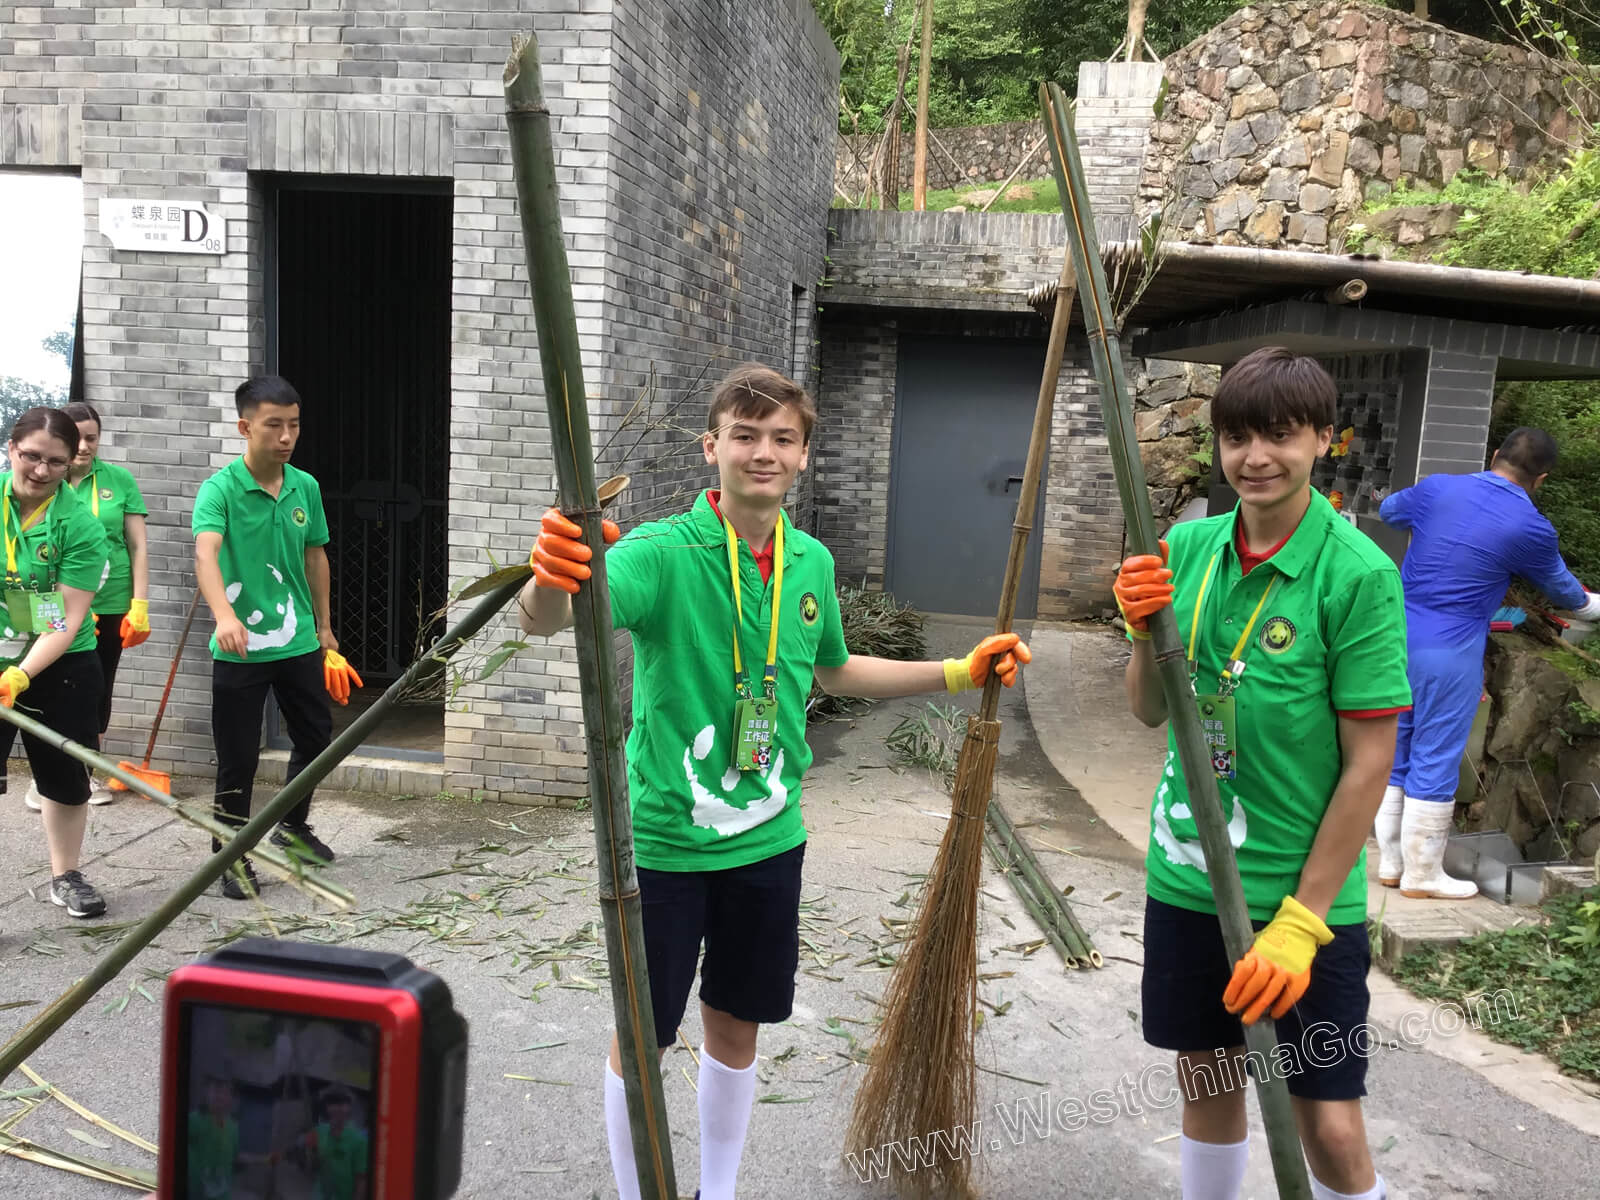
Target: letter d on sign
point(190, 217)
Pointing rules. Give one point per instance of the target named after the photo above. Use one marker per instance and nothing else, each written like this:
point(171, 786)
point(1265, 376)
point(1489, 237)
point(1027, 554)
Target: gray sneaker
point(77, 895)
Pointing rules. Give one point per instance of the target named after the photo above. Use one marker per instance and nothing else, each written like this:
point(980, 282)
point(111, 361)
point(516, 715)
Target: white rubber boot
point(1387, 828)
point(1424, 829)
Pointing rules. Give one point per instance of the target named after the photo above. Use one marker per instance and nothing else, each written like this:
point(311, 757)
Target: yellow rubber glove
point(136, 625)
point(1000, 652)
point(13, 682)
point(1276, 970)
point(338, 676)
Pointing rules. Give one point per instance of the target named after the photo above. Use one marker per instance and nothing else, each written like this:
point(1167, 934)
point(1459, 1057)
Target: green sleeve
point(210, 510)
point(133, 499)
point(633, 577)
point(317, 525)
point(83, 552)
point(1365, 629)
point(831, 650)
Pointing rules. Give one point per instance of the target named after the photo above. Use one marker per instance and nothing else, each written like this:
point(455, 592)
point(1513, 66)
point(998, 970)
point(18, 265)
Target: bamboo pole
point(919, 162)
point(36, 1032)
point(538, 200)
point(1073, 955)
point(1029, 868)
point(1222, 871)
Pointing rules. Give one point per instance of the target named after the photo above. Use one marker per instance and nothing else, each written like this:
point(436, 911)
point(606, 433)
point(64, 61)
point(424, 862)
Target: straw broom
point(922, 1077)
point(1222, 869)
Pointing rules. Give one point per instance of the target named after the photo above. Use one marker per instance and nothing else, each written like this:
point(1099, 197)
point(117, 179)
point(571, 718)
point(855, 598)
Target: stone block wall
point(963, 156)
point(198, 103)
point(1282, 121)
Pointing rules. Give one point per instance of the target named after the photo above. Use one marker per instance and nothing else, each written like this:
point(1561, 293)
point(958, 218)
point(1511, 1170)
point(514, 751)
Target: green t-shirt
point(671, 590)
point(64, 548)
point(110, 494)
point(263, 556)
point(341, 1158)
point(211, 1152)
point(1331, 639)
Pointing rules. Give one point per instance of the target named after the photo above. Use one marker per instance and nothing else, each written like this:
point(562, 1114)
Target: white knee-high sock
point(1212, 1170)
point(726, 1098)
point(1321, 1191)
point(619, 1133)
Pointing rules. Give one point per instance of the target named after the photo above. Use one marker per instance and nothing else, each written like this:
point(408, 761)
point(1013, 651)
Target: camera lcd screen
point(275, 1105)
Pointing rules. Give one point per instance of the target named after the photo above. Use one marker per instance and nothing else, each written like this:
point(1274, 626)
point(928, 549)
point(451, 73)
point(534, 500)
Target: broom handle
point(183, 640)
point(1028, 500)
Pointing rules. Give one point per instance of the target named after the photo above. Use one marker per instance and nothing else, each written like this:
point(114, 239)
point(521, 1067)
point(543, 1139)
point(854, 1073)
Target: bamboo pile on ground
point(923, 1073)
point(1041, 898)
point(1221, 868)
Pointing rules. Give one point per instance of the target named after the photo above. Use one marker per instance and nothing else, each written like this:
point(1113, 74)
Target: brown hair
point(78, 411)
point(752, 391)
point(1274, 386)
point(52, 421)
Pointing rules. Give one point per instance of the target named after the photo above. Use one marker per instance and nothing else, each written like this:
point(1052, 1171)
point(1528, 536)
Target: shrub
point(875, 624)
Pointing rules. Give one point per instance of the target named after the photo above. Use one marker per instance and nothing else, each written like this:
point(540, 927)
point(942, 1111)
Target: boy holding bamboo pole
point(714, 759)
point(1302, 744)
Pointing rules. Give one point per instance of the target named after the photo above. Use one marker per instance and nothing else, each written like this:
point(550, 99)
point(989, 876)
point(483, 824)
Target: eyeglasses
point(33, 461)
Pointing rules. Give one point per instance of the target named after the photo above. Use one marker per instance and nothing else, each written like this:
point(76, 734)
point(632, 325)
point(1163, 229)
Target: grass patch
point(1037, 195)
point(1552, 971)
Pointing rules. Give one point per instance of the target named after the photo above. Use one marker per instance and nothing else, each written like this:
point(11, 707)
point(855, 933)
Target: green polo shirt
point(671, 590)
point(210, 1153)
point(1331, 639)
point(65, 548)
point(110, 494)
point(341, 1157)
point(263, 556)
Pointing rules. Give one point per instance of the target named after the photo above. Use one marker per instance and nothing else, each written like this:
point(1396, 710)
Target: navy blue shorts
point(1324, 1040)
point(749, 919)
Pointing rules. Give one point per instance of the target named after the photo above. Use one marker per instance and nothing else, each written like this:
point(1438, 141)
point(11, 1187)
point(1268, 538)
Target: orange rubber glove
point(558, 558)
point(135, 626)
point(1276, 970)
point(1143, 587)
point(999, 652)
point(13, 682)
point(338, 676)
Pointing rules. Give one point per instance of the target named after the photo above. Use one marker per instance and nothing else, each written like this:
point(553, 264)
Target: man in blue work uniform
point(1469, 535)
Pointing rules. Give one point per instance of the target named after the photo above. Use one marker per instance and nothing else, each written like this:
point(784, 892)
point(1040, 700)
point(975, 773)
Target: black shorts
point(66, 697)
point(749, 918)
point(1324, 1040)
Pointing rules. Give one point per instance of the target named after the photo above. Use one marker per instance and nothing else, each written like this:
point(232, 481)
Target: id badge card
point(1217, 723)
point(47, 611)
point(753, 723)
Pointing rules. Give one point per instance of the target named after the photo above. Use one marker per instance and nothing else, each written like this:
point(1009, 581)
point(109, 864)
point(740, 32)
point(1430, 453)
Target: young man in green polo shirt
point(724, 655)
point(260, 535)
point(339, 1151)
point(1295, 631)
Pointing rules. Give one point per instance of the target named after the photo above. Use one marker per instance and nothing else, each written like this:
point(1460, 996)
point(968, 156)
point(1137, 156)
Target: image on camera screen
point(276, 1105)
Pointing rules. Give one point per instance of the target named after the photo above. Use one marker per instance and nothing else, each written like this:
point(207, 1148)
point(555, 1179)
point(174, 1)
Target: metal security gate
point(359, 322)
point(962, 416)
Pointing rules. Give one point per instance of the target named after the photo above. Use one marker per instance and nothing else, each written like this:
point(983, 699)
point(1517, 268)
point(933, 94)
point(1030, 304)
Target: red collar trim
point(763, 558)
point(1249, 559)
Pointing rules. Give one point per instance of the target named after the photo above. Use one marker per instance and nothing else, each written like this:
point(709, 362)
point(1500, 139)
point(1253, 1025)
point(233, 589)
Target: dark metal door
point(362, 329)
point(963, 413)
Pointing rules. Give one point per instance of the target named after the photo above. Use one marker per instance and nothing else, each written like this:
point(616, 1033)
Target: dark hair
point(1529, 452)
point(80, 411)
point(50, 420)
point(337, 1094)
point(264, 389)
point(753, 391)
point(1274, 386)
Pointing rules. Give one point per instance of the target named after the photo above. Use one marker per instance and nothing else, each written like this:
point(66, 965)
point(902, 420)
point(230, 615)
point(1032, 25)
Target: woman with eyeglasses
point(55, 557)
point(121, 607)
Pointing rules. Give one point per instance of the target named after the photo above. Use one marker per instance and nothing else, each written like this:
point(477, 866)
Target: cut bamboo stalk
point(1222, 869)
point(1072, 953)
point(1029, 868)
point(538, 201)
point(919, 160)
point(133, 1139)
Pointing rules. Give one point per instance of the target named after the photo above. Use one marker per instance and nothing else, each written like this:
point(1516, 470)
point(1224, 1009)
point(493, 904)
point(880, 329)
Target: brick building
point(357, 153)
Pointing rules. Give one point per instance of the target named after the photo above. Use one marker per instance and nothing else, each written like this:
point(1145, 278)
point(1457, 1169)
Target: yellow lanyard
point(1235, 666)
point(5, 526)
point(94, 491)
point(770, 677)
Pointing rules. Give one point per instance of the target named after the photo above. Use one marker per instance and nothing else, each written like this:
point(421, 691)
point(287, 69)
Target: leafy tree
point(60, 342)
point(18, 395)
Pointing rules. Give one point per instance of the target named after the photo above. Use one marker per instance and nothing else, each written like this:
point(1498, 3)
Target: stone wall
point(1283, 120)
point(1172, 419)
point(957, 157)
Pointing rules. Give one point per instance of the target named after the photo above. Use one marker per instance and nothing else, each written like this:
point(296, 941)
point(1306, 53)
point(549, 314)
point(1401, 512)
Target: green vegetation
point(1551, 971)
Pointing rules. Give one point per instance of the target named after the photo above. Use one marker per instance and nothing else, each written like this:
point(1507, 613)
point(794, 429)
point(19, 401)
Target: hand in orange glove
point(338, 676)
point(1143, 587)
point(135, 626)
point(559, 559)
point(1276, 970)
point(999, 652)
point(13, 682)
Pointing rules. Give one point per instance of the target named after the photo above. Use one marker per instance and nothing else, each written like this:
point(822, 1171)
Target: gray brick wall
point(1113, 118)
point(188, 101)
